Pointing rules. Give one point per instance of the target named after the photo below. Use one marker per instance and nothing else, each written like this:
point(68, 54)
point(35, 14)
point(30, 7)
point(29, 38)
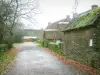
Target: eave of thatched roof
point(85, 20)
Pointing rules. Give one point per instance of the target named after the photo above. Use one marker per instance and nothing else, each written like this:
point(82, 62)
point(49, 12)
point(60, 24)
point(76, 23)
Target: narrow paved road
point(34, 61)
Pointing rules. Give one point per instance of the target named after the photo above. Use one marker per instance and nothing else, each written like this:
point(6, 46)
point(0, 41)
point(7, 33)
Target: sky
point(53, 10)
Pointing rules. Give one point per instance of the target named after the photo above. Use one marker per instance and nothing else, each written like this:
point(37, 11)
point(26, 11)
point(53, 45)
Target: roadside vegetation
point(11, 27)
point(56, 50)
point(5, 58)
point(53, 46)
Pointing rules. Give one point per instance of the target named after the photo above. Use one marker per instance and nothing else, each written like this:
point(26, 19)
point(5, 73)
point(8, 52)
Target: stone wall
point(96, 52)
point(97, 34)
point(76, 45)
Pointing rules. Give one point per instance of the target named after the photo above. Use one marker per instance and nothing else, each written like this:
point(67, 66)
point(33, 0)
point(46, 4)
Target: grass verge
point(6, 58)
point(38, 45)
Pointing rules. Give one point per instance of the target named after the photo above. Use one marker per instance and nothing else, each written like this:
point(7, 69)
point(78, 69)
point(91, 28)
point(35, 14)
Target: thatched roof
point(84, 20)
point(53, 30)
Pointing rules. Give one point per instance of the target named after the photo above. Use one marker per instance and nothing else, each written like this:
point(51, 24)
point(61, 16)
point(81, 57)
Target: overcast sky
point(53, 10)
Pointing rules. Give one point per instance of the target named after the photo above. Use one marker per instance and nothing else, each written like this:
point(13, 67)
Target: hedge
point(3, 47)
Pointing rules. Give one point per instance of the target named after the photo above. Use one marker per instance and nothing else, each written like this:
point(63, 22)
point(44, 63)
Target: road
point(32, 60)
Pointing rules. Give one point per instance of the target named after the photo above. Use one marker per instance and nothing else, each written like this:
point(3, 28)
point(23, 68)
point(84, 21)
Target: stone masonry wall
point(76, 45)
point(96, 52)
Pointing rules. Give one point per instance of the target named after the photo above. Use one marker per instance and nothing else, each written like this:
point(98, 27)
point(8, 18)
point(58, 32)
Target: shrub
point(3, 47)
point(41, 42)
point(55, 47)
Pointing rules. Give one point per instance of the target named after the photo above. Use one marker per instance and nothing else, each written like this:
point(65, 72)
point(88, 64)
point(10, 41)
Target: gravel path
point(34, 61)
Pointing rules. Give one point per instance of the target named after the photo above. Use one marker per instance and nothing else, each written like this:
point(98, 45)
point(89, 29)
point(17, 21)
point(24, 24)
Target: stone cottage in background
point(82, 38)
point(53, 30)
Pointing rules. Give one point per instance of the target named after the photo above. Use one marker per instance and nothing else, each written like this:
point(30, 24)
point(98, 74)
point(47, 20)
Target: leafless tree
point(11, 12)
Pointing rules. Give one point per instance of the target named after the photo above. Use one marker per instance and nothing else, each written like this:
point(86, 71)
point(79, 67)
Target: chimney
point(75, 15)
point(94, 6)
point(68, 18)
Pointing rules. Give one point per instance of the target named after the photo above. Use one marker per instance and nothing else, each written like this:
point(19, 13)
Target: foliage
point(46, 43)
point(41, 42)
point(55, 47)
point(3, 47)
point(6, 58)
point(18, 33)
point(11, 13)
point(6, 22)
point(51, 45)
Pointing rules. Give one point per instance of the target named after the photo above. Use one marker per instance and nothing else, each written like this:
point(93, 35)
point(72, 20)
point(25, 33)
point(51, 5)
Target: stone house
point(53, 30)
point(82, 38)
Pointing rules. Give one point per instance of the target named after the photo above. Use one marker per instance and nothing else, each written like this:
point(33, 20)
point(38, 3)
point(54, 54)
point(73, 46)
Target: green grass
point(5, 59)
point(38, 45)
point(52, 46)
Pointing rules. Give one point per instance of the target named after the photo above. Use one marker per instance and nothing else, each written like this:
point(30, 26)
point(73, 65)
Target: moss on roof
point(84, 20)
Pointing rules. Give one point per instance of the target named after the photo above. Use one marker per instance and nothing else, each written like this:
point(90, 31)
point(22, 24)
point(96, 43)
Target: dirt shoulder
point(82, 67)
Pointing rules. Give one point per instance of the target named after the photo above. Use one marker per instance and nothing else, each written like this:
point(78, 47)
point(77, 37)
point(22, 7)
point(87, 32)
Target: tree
point(18, 32)
point(11, 12)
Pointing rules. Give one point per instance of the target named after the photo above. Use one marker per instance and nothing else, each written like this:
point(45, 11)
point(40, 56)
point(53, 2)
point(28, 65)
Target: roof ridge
point(83, 20)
